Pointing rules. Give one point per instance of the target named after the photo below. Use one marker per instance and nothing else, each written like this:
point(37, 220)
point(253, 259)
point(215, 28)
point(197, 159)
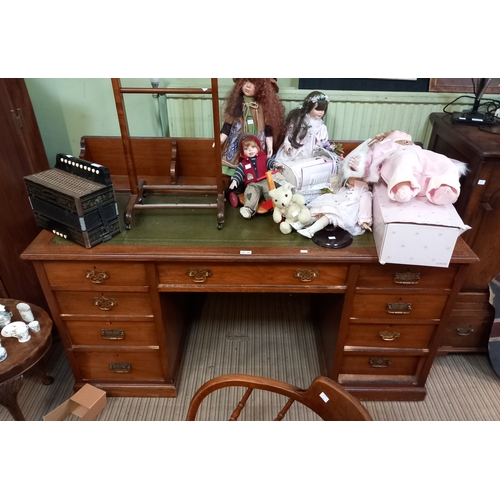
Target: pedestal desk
point(469, 327)
point(123, 307)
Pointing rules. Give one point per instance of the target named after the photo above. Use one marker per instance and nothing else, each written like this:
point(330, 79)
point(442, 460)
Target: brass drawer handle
point(406, 278)
point(199, 275)
point(389, 336)
point(379, 362)
point(104, 304)
point(465, 330)
point(306, 275)
point(96, 276)
point(120, 367)
point(399, 308)
point(113, 334)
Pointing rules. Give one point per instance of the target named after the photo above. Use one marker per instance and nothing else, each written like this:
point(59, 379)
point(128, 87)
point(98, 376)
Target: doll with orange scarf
point(253, 107)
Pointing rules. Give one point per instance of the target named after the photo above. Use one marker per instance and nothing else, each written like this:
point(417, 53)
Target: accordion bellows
point(73, 205)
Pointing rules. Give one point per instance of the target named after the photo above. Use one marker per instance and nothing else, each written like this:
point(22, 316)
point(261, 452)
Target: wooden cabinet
point(123, 310)
point(21, 153)
point(471, 320)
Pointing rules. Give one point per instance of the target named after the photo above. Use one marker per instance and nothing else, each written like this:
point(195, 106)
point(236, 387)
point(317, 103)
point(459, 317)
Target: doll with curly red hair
point(253, 107)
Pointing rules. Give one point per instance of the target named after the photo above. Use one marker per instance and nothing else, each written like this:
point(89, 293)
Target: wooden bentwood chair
point(324, 396)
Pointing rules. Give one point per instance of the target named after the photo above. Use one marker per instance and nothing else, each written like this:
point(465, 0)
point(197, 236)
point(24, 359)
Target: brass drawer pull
point(113, 334)
point(399, 308)
point(199, 275)
point(379, 362)
point(120, 367)
point(406, 278)
point(389, 336)
point(465, 330)
point(104, 304)
point(96, 276)
point(306, 275)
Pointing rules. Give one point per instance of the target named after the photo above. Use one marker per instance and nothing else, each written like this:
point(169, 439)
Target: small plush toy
point(289, 208)
point(406, 168)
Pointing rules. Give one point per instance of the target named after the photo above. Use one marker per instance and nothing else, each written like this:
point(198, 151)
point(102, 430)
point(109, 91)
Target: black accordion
point(75, 200)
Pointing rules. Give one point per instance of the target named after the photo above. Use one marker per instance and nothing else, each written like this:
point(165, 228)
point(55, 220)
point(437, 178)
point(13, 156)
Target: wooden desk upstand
point(22, 356)
point(122, 308)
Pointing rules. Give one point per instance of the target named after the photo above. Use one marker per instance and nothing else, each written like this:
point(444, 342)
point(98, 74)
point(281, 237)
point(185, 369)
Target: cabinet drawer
point(380, 365)
point(112, 333)
point(119, 303)
point(395, 336)
point(406, 277)
point(120, 366)
point(398, 306)
point(90, 275)
point(257, 274)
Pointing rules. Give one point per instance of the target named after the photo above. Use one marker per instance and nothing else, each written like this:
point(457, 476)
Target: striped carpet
point(271, 336)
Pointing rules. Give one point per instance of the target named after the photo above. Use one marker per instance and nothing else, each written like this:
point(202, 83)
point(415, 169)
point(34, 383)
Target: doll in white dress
point(349, 208)
point(306, 129)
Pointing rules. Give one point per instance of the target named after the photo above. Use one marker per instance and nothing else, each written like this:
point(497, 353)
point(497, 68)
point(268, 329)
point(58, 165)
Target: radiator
point(351, 115)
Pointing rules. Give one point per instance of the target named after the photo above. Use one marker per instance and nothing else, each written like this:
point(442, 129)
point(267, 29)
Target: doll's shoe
point(443, 195)
point(247, 212)
point(305, 232)
point(403, 194)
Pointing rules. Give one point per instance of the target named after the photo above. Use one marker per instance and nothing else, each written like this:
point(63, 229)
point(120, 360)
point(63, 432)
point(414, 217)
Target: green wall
point(69, 108)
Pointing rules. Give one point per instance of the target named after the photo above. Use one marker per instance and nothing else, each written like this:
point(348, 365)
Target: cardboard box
point(416, 232)
point(86, 404)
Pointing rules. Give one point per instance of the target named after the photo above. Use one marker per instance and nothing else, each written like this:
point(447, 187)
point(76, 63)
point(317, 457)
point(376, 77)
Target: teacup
point(21, 332)
point(34, 326)
point(3, 353)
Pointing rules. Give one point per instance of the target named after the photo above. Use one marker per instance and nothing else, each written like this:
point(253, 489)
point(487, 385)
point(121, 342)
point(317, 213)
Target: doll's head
point(265, 92)
point(249, 146)
point(315, 101)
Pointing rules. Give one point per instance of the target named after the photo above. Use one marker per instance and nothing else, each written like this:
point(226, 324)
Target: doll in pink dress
point(407, 169)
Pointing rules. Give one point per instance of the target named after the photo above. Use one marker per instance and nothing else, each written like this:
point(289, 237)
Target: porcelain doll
point(305, 129)
point(407, 169)
point(349, 208)
point(251, 172)
point(253, 106)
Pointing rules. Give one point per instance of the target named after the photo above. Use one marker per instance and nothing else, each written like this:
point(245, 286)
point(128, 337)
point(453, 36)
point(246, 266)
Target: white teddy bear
point(289, 208)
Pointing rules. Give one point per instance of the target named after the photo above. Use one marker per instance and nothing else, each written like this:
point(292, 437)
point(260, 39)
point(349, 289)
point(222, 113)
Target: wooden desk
point(22, 356)
point(123, 307)
point(469, 327)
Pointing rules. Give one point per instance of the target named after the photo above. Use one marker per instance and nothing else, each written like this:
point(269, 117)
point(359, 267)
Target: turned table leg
point(42, 373)
point(8, 397)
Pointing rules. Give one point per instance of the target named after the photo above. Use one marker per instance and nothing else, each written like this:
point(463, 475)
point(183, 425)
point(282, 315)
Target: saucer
point(12, 328)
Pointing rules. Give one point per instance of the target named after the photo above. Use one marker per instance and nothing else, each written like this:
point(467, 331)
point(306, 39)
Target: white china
point(34, 326)
point(25, 312)
point(17, 329)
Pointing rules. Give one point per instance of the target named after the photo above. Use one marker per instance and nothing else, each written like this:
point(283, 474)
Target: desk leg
point(8, 397)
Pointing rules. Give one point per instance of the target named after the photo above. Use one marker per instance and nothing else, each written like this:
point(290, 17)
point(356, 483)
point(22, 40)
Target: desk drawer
point(406, 277)
point(112, 333)
point(394, 336)
point(380, 365)
point(120, 366)
point(257, 274)
point(109, 303)
point(396, 306)
point(91, 275)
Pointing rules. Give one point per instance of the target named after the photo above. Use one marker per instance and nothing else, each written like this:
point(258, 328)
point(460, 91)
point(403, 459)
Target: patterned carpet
point(270, 335)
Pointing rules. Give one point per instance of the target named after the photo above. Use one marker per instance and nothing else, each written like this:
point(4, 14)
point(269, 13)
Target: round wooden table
point(21, 356)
